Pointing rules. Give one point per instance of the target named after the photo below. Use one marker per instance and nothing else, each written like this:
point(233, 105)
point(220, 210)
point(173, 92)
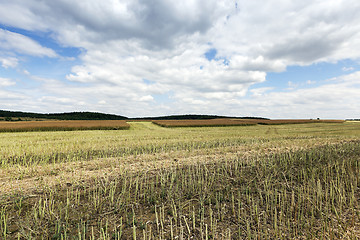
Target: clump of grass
point(310, 194)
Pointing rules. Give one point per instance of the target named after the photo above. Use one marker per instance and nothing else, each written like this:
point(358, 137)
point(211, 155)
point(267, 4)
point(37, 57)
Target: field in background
point(292, 181)
point(68, 125)
point(204, 123)
point(71, 125)
point(236, 122)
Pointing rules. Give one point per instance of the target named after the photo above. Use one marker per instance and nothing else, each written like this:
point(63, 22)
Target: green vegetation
point(15, 116)
point(10, 115)
point(249, 182)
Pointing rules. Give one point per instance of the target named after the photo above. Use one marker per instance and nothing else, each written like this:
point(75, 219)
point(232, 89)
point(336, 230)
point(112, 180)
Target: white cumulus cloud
point(136, 52)
point(8, 62)
point(10, 41)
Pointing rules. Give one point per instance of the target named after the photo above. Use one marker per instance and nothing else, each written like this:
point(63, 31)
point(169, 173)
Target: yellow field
point(203, 123)
point(290, 181)
point(236, 122)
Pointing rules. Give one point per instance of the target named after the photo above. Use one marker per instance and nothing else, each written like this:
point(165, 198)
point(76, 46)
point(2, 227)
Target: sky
point(136, 58)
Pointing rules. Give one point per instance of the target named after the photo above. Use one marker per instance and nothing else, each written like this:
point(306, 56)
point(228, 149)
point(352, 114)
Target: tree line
point(18, 116)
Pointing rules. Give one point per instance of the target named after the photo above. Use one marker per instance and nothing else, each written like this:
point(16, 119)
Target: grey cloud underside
point(303, 32)
point(303, 51)
point(155, 23)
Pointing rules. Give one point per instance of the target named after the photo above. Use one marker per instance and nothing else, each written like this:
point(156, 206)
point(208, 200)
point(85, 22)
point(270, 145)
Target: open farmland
point(68, 125)
point(203, 123)
point(236, 122)
point(295, 121)
point(291, 181)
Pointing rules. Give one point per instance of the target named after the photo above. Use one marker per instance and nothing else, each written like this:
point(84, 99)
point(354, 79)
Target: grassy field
point(293, 181)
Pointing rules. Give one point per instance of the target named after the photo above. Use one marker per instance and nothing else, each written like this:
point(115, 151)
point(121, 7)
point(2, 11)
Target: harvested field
point(203, 123)
point(295, 121)
point(63, 125)
point(287, 181)
point(236, 122)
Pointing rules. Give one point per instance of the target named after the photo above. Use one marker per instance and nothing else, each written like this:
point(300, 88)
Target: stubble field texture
point(285, 181)
point(236, 122)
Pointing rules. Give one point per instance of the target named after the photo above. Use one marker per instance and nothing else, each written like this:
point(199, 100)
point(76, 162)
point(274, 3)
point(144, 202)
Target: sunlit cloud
point(159, 58)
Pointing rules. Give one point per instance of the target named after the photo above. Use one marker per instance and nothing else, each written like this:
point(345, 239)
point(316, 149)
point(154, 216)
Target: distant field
point(295, 121)
point(71, 125)
point(62, 125)
point(286, 181)
point(235, 122)
point(203, 123)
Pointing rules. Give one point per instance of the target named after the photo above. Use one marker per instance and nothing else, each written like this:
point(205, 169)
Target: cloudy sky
point(276, 59)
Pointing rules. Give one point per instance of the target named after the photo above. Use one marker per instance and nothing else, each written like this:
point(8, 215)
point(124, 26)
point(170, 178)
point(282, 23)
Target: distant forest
point(17, 116)
point(9, 115)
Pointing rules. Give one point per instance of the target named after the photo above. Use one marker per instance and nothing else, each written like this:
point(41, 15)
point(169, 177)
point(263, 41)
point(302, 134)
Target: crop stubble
point(267, 182)
point(236, 122)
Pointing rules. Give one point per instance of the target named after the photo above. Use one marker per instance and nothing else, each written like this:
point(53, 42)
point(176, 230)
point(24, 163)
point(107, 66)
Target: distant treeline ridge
point(11, 115)
point(62, 116)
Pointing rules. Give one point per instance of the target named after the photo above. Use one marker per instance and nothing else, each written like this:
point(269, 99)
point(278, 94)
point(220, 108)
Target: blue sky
point(310, 76)
point(136, 58)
